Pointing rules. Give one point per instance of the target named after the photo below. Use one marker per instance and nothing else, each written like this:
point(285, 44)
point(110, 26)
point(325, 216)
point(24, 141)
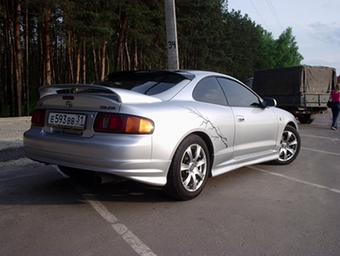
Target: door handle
point(240, 118)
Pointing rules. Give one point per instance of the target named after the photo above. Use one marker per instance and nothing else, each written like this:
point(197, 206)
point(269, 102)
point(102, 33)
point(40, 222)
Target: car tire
point(305, 119)
point(289, 146)
point(189, 169)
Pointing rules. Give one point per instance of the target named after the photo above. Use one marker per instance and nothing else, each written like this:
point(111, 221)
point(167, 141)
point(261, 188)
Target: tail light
point(38, 117)
point(115, 123)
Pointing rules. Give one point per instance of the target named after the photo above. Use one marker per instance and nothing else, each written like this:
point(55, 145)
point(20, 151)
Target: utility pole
point(171, 34)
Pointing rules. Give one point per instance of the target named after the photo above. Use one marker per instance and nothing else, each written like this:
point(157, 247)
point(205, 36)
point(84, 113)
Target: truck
point(301, 90)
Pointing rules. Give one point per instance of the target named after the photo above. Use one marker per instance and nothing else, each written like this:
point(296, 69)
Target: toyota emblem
point(69, 104)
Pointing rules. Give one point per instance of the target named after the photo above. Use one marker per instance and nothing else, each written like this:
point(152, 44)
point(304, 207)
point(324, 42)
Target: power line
point(271, 7)
point(260, 15)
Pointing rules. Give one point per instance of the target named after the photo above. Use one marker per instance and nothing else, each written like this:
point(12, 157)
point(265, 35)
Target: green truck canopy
point(294, 80)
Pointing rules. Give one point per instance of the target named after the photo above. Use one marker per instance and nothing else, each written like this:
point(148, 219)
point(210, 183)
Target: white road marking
point(294, 179)
point(321, 151)
point(120, 228)
point(320, 137)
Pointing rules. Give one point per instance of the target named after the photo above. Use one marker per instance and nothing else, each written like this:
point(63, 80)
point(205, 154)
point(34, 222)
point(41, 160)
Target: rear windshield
point(145, 82)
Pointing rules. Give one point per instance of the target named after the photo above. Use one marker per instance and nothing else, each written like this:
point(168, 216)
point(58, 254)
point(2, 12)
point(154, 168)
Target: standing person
point(335, 98)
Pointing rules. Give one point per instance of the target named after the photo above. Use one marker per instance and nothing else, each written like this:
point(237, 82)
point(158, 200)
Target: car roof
point(186, 73)
point(145, 73)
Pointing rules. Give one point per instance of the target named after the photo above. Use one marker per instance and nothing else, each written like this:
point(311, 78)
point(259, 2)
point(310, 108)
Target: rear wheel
point(290, 146)
point(305, 119)
point(189, 169)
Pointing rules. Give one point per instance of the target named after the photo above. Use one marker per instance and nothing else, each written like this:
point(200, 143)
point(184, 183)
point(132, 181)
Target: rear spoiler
point(122, 96)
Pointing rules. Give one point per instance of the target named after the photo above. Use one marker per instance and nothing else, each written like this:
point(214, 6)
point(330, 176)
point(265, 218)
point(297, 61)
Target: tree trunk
point(47, 44)
point(103, 61)
point(70, 77)
point(41, 63)
point(135, 55)
point(127, 56)
point(77, 58)
point(8, 60)
point(26, 73)
point(84, 62)
point(3, 61)
point(57, 56)
point(18, 55)
point(120, 41)
point(95, 65)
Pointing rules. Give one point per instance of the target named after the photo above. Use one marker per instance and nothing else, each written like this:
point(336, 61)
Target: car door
point(256, 128)
point(216, 115)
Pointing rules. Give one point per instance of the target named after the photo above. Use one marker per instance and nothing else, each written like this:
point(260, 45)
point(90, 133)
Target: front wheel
point(290, 146)
point(189, 169)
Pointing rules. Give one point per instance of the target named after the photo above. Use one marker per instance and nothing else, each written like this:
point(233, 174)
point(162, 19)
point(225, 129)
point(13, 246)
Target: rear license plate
point(74, 121)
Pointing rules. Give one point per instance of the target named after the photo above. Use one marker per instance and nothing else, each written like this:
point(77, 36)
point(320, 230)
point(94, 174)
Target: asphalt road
point(257, 210)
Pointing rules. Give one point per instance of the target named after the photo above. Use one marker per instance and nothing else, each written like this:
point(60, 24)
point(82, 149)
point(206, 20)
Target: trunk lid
point(72, 108)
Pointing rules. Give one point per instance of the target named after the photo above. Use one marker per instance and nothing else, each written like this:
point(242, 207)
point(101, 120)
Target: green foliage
point(268, 51)
point(243, 47)
point(282, 52)
point(200, 33)
point(287, 50)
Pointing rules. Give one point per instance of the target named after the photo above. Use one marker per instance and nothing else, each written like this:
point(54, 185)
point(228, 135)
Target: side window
point(238, 95)
point(208, 90)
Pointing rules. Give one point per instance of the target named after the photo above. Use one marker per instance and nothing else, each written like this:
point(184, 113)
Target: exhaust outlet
point(102, 178)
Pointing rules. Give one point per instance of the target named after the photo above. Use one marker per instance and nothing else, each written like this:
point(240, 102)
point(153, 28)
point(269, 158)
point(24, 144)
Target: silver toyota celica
point(172, 129)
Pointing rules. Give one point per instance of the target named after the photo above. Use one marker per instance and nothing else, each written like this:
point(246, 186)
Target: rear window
point(145, 82)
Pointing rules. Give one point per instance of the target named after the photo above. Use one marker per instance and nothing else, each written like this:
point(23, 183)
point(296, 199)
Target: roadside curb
point(11, 137)
point(12, 153)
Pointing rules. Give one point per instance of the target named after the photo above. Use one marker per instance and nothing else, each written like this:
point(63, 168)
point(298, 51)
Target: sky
point(315, 25)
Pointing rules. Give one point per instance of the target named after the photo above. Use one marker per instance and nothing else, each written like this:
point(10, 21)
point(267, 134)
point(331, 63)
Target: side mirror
point(269, 102)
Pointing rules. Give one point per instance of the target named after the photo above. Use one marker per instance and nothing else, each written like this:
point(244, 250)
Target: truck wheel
point(290, 146)
point(189, 169)
point(305, 119)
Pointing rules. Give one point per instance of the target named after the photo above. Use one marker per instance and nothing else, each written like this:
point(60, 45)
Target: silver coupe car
point(172, 129)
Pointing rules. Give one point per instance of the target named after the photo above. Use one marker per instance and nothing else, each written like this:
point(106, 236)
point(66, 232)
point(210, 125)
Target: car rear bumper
point(126, 156)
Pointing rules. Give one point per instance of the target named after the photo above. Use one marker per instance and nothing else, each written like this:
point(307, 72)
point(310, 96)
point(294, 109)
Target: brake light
point(38, 117)
point(116, 123)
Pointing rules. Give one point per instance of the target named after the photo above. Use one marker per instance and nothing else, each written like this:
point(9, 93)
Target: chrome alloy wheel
point(193, 167)
point(290, 145)
point(189, 170)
